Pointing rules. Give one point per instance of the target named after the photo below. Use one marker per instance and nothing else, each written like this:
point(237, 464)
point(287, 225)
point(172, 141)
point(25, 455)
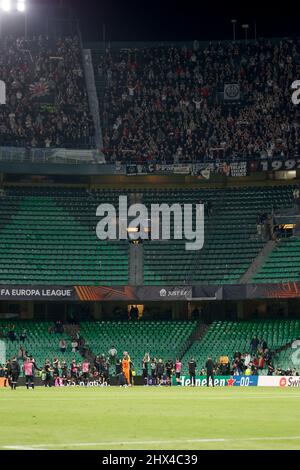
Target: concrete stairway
point(257, 262)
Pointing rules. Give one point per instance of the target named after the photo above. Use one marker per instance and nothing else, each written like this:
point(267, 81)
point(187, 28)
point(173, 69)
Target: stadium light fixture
point(21, 6)
point(6, 5)
point(10, 8)
point(245, 28)
point(13, 5)
point(233, 22)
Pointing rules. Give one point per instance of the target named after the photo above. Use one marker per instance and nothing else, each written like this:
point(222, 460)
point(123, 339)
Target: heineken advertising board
point(220, 381)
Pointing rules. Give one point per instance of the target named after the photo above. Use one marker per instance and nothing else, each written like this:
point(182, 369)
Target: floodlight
point(21, 6)
point(6, 5)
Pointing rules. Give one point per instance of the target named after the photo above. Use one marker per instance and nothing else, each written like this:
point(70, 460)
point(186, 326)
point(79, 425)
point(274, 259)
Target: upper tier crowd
point(159, 104)
point(165, 104)
point(46, 98)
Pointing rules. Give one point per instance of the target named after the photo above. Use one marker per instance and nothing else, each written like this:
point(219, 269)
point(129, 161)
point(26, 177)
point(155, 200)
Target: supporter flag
point(2, 92)
point(232, 92)
point(205, 173)
point(40, 91)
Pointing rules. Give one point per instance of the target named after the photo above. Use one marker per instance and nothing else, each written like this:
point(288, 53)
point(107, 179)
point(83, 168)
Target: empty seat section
point(282, 264)
point(230, 235)
point(48, 236)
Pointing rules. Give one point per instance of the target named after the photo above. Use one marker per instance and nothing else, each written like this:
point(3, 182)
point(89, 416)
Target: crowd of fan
point(259, 360)
point(46, 101)
point(163, 104)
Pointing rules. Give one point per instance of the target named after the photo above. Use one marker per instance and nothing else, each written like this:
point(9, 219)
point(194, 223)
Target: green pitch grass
point(150, 418)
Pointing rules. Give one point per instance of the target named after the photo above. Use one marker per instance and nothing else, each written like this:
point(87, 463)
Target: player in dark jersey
point(145, 363)
point(192, 365)
point(48, 377)
point(13, 373)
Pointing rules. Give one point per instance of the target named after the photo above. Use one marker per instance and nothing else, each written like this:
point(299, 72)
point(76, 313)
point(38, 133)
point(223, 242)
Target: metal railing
point(95, 156)
point(57, 155)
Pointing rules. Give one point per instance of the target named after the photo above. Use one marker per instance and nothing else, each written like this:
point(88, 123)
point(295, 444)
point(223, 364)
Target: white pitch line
point(194, 397)
point(20, 448)
point(173, 441)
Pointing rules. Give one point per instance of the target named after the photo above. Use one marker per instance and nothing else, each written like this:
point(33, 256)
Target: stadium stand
point(47, 103)
point(159, 338)
point(226, 337)
point(56, 239)
point(41, 342)
point(164, 103)
point(287, 358)
point(48, 236)
point(231, 241)
point(283, 263)
point(159, 103)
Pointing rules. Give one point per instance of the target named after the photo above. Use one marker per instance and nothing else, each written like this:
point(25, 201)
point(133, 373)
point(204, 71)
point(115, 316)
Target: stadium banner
point(276, 165)
point(234, 292)
point(232, 92)
point(186, 293)
point(2, 92)
point(225, 167)
point(163, 169)
point(133, 170)
point(230, 168)
point(283, 290)
point(117, 169)
point(201, 381)
point(207, 292)
point(287, 290)
point(151, 168)
point(278, 381)
point(238, 169)
point(37, 292)
point(219, 381)
point(204, 169)
point(128, 293)
point(182, 169)
point(95, 293)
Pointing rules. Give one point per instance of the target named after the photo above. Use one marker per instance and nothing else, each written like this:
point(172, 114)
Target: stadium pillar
point(179, 311)
point(27, 310)
point(240, 310)
point(97, 311)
